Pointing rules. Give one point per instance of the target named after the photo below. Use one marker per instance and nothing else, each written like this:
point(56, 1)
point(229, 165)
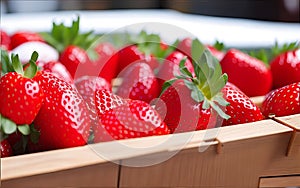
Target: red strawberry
point(128, 55)
point(286, 68)
point(170, 66)
point(216, 49)
point(215, 52)
point(190, 102)
point(185, 46)
point(63, 120)
point(121, 118)
point(76, 60)
point(283, 101)
point(106, 63)
point(241, 109)
point(6, 150)
point(57, 69)
point(139, 83)
point(20, 95)
point(86, 86)
point(247, 73)
point(182, 113)
point(21, 37)
point(4, 40)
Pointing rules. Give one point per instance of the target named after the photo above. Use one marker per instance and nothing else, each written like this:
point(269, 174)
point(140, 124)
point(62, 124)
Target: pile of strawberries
point(65, 88)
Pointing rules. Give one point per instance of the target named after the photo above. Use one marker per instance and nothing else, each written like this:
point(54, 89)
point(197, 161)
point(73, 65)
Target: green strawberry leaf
point(183, 69)
point(31, 70)
point(219, 45)
point(8, 126)
point(276, 50)
point(24, 129)
point(6, 64)
point(16, 63)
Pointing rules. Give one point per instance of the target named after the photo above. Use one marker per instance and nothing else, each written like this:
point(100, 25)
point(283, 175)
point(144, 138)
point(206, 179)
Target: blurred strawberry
point(5, 148)
point(247, 73)
point(285, 68)
point(4, 40)
point(21, 37)
point(57, 69)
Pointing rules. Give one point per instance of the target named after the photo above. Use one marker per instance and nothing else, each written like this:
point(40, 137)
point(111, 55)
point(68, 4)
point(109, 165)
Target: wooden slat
point(247, 150)
point(293, 122)
point(288, 181)
point(99, 175)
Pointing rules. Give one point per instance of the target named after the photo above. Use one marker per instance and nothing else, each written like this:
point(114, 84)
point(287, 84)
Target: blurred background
point(269, 10)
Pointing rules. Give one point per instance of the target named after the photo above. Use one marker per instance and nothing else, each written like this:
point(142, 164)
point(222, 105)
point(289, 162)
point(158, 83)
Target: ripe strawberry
point(170, 66)
point(283, 101)
point(4, 40)
point(21, 37)
point(106, 63)
point(63, 120)
point(189, 102)
point(241, 109)
point(121, 118)
point(216, 49)
point(216, 52)
point(73, 47)
point(247, 73)
point(138, 83)
point(5, 148)
point(86, 86)
point(57, 69)
point(182, 113)
point(127, 55)
point(20, 95)
point(76, 60)
point(286, 68)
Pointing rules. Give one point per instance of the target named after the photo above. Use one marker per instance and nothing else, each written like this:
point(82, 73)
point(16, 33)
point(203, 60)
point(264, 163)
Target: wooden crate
point(259, 154)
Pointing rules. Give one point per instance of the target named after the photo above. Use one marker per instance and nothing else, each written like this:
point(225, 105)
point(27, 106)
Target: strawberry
point(247, 73)
point(20, 95)
point(57, 69)
point(63, 119)
point(127, 55)
point(74, 47)
point(191, 102)
point(170, 66)
point(285, 68)
point(76, 60)
point(216, 52)
point(21, 37)
point(5, 148)
point(241, 109)
point(86, 86)
point(138, 83)
point(282, 101)
point(4, 40)
point(125, 118)
point(106, 62)
point(182, 113)
point(216, 49)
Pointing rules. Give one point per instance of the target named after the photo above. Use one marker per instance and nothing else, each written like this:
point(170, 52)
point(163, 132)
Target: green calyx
point(266, 55)
point(13, 64)
point(62, 36)
point(208, 81)
point(219, 45)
